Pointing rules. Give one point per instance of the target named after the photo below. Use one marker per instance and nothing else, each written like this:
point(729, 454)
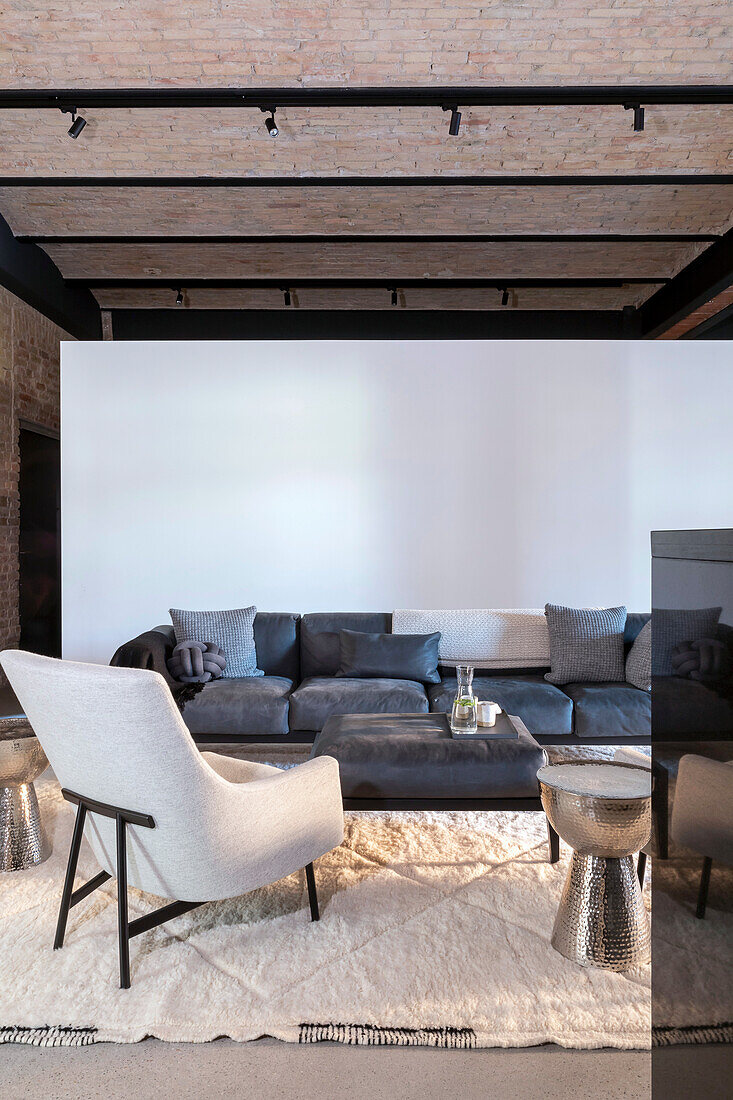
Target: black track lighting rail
point(386, 284)
point(687, 179)
point(424, 96)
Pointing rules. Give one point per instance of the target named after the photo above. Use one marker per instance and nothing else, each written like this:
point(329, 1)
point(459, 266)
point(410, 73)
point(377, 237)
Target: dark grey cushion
point(610, 710)
point(252, 705)
point(544, 709)
point(317, 698)
point(670, 626)
point(586, 644)
point(277, 641)
point(320, 652)
point(690, 709)
point(399, 756)
point(395, 656)
point(635, 621)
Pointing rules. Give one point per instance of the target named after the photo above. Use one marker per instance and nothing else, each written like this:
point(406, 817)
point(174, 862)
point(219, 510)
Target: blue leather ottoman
point(411, 762)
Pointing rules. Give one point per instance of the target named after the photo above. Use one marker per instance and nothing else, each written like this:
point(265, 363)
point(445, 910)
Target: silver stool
point(603, 811)
point(23, 841)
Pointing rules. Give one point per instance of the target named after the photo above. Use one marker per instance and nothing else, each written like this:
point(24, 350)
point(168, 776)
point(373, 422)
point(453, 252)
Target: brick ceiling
point(218, 43)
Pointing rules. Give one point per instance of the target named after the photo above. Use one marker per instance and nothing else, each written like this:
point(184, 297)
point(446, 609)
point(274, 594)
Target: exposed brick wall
point(29, 390)
point(318, 210)
point(210, 42)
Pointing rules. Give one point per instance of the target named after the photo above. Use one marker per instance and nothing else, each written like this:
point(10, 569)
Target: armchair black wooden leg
point(641, 868)
point(660, 809)
point(123, 931)
point(68, 890)
point(312, 895)
point(702, 897)
point(554, 841)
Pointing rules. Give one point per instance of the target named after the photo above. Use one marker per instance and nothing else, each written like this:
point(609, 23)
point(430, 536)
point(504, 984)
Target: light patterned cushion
point(233, 631)
point(673, 626)
point(586, 643)
point(485, 638)
point(639, 660)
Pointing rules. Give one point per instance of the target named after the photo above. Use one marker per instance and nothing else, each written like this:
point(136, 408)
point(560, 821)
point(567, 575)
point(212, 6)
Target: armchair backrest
point(116, 736)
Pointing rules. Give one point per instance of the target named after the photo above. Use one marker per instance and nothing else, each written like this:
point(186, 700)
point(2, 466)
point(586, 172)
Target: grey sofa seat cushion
point(544, 709)
point(394, 756)
point(610, 710)
point(318, 697)
point(320, 648)
point(689, 708)
point(253, 704)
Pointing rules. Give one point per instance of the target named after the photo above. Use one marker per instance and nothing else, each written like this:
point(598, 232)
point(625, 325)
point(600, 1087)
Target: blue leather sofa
point(300, 689)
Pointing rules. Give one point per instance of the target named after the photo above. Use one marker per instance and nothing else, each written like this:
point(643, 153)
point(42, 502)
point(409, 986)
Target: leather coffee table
point(411, 762)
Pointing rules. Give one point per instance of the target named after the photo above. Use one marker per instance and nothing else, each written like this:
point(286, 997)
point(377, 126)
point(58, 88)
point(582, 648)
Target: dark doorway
point(40, 541)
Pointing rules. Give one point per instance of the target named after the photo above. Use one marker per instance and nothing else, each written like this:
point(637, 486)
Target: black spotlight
point(77, 122)
point(505, 297)
point(270, 122)
point(394, 295)
point(286, 295)
point(455, 121)
point(179, 297)
point(638, 115)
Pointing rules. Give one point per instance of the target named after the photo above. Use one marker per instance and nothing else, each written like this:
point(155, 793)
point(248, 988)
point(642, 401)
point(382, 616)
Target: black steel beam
point(386, 283)
point(379, 238)
point(215, 324)
point(687, 179)
point(28, 273)
point(709, 273)
point(718, 321)
point(423, 96)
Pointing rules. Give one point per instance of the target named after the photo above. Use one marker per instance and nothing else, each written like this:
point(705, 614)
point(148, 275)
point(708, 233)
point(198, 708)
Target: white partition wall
point(369, 475)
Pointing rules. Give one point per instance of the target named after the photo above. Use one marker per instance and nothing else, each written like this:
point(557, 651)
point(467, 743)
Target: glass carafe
point(464, 717)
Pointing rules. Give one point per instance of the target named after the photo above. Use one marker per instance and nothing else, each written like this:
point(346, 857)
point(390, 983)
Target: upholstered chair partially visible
point(702, 815)
point(158, 814)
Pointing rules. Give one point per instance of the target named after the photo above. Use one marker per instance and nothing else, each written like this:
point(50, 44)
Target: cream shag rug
point(435, 930)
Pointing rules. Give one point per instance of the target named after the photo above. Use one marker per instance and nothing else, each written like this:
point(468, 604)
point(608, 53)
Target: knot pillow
point(196, 662)
point(703, 659)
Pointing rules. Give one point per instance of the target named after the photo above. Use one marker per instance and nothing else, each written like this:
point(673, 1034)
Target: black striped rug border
point(702, 1033)
point(49, 1036)
point(448, 1038)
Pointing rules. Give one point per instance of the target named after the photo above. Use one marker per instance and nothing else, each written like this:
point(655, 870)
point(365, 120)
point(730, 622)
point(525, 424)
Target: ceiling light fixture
point(638, 115)
point(286, 295)
point(505, 296)
point(270, 122)
point(394, 295)
point(77, 122)
point(455, 121)
point(179, 297)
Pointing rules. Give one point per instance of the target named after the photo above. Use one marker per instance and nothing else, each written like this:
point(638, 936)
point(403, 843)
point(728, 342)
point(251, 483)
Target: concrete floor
point(271, 1070)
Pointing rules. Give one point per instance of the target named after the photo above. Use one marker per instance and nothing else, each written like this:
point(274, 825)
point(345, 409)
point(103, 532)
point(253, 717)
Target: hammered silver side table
point(23, 841)
point(603, 811)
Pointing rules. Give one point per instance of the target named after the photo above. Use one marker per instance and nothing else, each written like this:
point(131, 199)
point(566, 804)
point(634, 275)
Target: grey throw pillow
point(586, 643)
point(233, 631)
point(639, 659)
point(675, 625)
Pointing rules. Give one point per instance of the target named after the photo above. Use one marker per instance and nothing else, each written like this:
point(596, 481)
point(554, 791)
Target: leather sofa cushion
point(401, 756)
point(688, 708)
point(277, 641)
point(255, 705)
point(395, 656)
point(320, 650)
point(610, 710)
point(544, 709)
point(318, 697)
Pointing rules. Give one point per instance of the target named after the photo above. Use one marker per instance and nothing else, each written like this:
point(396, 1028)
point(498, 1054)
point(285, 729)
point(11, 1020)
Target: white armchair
point(160, 815)
point(702, 815)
